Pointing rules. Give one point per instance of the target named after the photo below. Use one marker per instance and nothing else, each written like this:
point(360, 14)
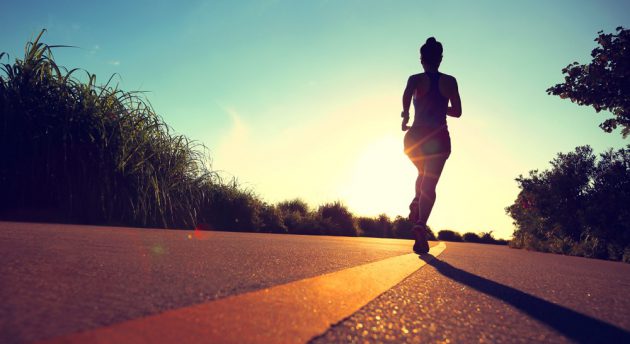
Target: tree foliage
point(604, 83)
point(579, 206)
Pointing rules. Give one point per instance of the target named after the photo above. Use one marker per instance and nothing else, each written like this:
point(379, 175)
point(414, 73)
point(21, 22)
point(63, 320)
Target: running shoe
point(421, 245)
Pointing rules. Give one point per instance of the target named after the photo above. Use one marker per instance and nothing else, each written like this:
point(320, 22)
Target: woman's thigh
point(433, 168)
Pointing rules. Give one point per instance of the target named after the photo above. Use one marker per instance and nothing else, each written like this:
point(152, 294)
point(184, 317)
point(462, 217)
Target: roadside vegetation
point(78, 152)
point(483, 238)
point(581, 205)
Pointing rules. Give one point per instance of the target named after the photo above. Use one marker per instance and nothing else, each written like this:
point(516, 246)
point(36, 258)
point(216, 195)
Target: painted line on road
point(290, 313)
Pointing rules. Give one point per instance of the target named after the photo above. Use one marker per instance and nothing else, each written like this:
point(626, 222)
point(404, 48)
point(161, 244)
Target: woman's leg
point(426, 183)
point(412, 144)
point(417, 145)
point(414, 209)
point(419, 180)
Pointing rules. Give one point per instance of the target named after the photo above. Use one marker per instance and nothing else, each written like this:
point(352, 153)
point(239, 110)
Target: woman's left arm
point(406, 100)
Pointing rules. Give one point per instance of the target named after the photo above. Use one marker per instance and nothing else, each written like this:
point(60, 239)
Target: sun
point(382, 179)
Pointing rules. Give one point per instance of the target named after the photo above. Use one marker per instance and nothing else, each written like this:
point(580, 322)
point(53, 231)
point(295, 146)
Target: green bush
point(449, 235)
point(271, 219)
point(310, 223)
point(378, 227)
point(471, 237)
point(488, 238)
point(403, 228)
point(338, 219)
point(294, 205)
point(577, 207)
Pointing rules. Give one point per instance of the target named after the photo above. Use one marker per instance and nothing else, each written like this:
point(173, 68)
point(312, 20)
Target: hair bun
point(431, 40)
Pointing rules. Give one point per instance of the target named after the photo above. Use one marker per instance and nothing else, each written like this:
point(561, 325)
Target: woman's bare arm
point(406, 100)
point(455, 110)
point(409, 90)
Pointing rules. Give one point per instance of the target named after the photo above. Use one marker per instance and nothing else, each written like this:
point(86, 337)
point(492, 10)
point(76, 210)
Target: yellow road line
point(288, 313)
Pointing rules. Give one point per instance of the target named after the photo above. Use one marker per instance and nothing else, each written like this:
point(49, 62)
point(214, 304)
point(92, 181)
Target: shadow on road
point(574, 325)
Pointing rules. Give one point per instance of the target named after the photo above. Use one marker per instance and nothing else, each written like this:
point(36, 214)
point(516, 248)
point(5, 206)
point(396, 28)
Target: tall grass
point(88, 153)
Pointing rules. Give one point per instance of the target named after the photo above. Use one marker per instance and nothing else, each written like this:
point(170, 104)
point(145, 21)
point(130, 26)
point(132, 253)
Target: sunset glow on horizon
point(301, 99)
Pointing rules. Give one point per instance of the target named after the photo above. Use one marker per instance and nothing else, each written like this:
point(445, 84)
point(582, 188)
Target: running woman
point(427, 142)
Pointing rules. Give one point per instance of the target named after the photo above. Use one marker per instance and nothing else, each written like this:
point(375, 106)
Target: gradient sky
point(302, 98)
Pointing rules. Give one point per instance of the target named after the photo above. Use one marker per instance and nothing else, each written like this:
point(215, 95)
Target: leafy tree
point(608, 209)
point(605, 82)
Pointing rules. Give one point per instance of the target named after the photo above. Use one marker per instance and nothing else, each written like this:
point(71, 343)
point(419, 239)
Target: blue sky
point(302, 98)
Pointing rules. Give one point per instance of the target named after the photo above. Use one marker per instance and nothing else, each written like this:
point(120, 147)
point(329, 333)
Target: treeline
point(580, 206)
point(247, 212)
point(482, 238)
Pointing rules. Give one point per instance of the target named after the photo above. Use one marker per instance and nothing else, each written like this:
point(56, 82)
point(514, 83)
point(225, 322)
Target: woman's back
point(429, 100)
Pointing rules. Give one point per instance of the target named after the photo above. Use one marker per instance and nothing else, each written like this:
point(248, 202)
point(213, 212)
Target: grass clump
point(74, 151)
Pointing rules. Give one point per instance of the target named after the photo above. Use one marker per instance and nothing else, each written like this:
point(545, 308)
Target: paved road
point(60, 279)
point(57, 279)
point(485, 293)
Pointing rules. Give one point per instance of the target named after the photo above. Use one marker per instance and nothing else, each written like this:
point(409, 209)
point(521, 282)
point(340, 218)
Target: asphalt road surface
point(56, 280)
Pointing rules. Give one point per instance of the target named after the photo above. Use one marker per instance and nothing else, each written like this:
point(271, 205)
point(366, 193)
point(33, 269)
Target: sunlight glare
point(382, 180)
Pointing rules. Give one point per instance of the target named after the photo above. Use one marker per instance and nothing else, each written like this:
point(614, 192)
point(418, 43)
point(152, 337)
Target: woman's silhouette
point(427, 141)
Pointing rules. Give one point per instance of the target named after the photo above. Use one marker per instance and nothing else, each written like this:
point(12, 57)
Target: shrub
point(403, 228)
point(368, 226)
point(338, 219)
point(310, 223)
point(294, 205)
point(471, 237)
point(577, 206)
point(449, 235)
point(488, 238)
point(228, 207)
point(379, 227)
point(271, 219)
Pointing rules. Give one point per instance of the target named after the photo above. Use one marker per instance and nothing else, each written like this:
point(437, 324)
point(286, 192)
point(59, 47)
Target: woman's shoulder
point(447, 77)
point(416, 76)
point(419, 79)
